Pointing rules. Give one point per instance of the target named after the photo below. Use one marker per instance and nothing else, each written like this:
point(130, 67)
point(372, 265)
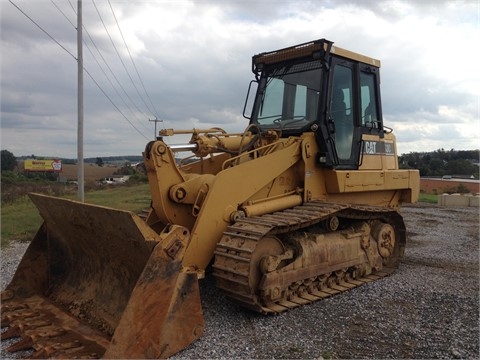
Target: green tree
point(9, 161)
point(436, 167)
point(99, 161)
point(126, 169)
point(460, 167)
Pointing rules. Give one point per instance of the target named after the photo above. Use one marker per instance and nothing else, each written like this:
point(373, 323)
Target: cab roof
point(310, 49)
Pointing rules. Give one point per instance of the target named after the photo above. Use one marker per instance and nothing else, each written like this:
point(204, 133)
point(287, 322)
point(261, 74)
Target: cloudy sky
point(189, 64)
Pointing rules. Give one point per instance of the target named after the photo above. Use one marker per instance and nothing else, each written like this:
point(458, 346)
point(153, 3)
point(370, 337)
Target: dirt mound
point(92, 171)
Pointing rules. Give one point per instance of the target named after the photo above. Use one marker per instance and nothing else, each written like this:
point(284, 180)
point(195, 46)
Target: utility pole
point(80, 165)
point(156, 121)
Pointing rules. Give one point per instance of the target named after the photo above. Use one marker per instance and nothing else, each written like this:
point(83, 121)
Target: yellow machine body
point(300, 206)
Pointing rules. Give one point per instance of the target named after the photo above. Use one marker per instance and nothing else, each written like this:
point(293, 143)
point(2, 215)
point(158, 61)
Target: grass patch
point(133, 198)
point(21, 220)
point(428, 198)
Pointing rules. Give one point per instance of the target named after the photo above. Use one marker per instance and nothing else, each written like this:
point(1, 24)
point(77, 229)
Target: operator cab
point(320, 88)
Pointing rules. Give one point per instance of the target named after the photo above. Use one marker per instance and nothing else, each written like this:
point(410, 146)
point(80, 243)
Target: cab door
point(342, 117)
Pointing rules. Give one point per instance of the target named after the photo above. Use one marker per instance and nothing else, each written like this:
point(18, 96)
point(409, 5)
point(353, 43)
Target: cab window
point(341, 110)
point(369, 115)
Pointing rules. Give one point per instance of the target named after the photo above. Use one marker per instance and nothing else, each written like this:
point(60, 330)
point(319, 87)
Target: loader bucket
point(98, 282)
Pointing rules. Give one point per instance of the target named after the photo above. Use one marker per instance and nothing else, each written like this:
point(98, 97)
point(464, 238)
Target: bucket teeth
point(15, 312)
point(43, 353)
point(7, 295)
point(23, 313)
point(11, 332)
point(70, 350)
point(48, 332)
point(5, 321)
point(17, 328)
point(12, 307)
point(24, 343)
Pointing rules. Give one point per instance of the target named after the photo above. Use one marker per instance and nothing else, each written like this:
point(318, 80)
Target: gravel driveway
point(429, 308)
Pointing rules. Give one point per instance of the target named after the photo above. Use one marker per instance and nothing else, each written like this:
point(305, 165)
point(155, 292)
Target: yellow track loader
point(300, 206)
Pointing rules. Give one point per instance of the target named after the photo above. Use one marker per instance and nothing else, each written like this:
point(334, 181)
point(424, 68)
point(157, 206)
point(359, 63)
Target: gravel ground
point(429, 308)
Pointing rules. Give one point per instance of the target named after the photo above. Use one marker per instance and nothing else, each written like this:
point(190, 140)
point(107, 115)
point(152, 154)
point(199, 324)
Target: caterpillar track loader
point(300, 206)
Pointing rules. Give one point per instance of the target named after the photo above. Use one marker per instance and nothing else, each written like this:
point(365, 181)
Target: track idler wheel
point(384, 235)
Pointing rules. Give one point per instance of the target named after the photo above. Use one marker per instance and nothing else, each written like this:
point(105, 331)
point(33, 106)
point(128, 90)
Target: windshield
point(290, 98)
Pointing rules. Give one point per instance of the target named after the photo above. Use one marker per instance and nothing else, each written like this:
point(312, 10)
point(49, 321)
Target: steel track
point(234, 253)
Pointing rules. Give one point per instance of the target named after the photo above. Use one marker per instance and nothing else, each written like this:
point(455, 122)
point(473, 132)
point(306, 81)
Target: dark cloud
point(195, 62)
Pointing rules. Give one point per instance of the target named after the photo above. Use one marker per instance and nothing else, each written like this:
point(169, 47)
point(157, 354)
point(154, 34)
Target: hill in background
point(117, 160)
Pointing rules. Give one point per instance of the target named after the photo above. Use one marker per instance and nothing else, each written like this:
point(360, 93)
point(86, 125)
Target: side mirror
point(250, 99)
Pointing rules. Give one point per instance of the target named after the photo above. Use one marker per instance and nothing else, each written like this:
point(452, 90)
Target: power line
point(73, 7)
point(116, 107)
point(111, 71)
point(155, 112)
point(116, 50)
point(113, 74)
point(113, 86)
point(44, 31)
point(91, 77)
point(65, 16)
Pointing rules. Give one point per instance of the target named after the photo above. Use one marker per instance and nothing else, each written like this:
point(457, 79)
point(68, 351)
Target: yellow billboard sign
point(43, 165)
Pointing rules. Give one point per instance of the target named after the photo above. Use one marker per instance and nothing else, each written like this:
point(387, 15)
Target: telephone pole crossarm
point(155, 121)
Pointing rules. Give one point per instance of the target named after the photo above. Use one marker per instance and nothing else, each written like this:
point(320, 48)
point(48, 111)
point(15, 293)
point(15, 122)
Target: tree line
point(436, 163)
point(440, 162)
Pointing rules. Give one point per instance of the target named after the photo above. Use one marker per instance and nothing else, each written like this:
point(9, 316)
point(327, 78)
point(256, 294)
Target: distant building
point(115, 180)
point(448, 184)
